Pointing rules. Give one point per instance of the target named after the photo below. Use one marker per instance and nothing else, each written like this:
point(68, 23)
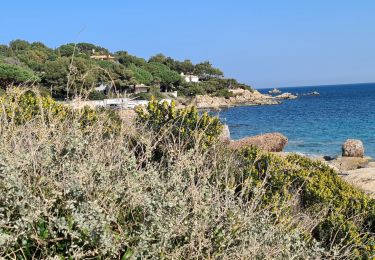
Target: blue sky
point(263, 43)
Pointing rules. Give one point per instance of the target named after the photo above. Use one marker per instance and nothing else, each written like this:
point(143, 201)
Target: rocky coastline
point(352, 165)
point(241, 97)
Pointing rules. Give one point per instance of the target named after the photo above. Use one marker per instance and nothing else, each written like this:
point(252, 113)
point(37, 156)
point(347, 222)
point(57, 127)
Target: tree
point(66, 50)
point(186, 67)
point(126, 59)
point(158, 58)
point(88, 48)
point(169, 79)
point(141, 75)
point(122, 77)
point(18, 45)
point(13, 74)
point(55, 76)
point(205, 69)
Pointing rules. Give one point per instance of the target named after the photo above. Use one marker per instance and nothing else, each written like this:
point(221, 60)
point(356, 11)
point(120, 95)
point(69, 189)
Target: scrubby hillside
point(86, 184)
point(73, 69)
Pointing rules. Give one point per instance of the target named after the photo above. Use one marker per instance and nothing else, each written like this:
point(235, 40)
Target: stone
point(353, 148)
point(286, 96)
point(274, 91)
point(225, 134)
point(240, 97)
point(270, 142)
point(343, 164)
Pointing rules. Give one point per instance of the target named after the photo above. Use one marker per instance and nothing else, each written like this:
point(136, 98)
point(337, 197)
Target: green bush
point(73, 192)
point(78, 184)
point(97, 95)
point(141, 75)
point(14, 74)
point(348, 214)
point(185, 125)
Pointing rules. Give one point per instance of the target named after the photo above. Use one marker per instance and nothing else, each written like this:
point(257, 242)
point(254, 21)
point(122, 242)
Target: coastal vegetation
point(76, 69)
point(88, 183)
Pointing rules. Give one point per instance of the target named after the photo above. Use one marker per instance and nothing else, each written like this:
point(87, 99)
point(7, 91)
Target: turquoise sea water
point(315, 125)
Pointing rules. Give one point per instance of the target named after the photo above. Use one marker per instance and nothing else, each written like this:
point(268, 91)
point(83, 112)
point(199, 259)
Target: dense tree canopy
point(69, 69)
point(13, 74)
point(166, 77)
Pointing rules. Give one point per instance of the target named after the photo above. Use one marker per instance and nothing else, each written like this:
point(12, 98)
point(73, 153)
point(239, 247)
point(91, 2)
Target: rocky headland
point(241, 97)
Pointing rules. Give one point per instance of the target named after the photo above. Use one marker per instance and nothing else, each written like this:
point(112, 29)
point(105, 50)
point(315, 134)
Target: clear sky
point(263, 43)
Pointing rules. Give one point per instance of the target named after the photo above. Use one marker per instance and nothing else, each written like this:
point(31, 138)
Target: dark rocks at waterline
point(353, 148)
point(270, 142)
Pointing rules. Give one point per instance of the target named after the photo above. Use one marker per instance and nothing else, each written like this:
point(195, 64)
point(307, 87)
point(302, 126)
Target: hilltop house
point(190, 78)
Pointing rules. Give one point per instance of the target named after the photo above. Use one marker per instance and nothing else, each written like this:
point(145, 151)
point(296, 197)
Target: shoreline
point(241, 97)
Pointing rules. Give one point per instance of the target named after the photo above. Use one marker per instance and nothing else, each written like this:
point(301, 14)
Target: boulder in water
point(274, 91)
point(286, 96)
point(353, 148)
point(270, 142)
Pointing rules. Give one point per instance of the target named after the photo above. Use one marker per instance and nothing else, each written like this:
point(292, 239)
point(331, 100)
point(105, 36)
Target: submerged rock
point(270, 142)
point(353, 148)
point(286, 95)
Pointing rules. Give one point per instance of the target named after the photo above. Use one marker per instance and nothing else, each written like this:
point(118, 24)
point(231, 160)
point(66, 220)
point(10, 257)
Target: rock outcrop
point(343, 164)
point(275, 91)
point(270, 142)
point(240, 97)
point(314, 93)
point(353, 148)
point(286, 95)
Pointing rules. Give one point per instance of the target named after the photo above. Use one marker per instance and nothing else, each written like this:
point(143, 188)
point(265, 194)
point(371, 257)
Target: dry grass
point(69, 192)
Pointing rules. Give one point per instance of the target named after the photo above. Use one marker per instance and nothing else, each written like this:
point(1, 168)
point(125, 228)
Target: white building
point(190, 78)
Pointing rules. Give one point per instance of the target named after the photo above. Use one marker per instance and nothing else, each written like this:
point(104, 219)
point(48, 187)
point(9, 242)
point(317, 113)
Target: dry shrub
point(69, 191)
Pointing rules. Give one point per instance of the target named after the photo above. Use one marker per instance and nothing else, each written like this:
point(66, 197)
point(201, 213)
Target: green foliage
point(206, 69)
point(78, 184)
point(167, 78)
point(97, 95)
point(141, 75)
point(72, 190)
point(18, 45)
point(21, 105)
point(83, 49)
point(203, 69)
point(213, 86)
point(56, 76)
point(14, 74)
point(126, 59)
point(349, 214)
point(66, 50)
point(153, 93)
point(69, 70)
point(186, 125)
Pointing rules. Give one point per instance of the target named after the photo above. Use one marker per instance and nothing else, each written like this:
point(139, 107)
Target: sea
point(314, 125)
